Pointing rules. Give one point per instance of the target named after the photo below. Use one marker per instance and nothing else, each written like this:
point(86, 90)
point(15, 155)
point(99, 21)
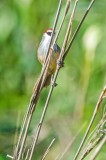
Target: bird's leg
point(60, 63)
point(52, 83)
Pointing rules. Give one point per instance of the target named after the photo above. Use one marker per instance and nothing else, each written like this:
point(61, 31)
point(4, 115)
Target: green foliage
point(80, 82)
point(2, 157)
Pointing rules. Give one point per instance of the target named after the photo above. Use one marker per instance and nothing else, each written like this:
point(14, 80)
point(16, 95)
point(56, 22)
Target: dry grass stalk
point(48, 149)
point(10, 156)
point(27, 155)
point(92, 120)
point(64, 16)
point(60, 157)
point(92, 145)
point(96, 137)
point(103, 141)
point(78, 28)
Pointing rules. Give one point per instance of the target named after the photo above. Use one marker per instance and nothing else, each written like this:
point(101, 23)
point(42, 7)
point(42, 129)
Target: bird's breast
point(42, 52)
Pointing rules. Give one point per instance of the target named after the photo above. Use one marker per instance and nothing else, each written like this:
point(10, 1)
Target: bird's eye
point(49, 33)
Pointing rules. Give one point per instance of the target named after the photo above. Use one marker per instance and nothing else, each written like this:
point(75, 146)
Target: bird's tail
point(37, 90)
point(38, 84)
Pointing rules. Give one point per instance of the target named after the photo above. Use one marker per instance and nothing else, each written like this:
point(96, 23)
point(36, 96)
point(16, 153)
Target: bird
point(42, 53)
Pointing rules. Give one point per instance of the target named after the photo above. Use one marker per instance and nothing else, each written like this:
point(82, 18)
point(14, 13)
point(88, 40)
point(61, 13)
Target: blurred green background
point(22, 23)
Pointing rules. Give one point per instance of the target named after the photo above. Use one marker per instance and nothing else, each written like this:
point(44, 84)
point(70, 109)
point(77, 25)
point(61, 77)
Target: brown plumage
point(42, 52)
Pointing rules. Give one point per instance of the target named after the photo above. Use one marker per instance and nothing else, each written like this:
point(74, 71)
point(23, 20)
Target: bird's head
point(49, 32)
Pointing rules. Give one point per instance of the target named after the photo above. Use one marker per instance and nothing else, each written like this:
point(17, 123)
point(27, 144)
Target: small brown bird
point(42, 52)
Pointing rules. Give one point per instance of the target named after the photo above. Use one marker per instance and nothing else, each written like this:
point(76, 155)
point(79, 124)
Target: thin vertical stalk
point(54, 27)
point(70, 144)
point(78, 28)
point(20, 136)
point(98, 148)
point(26, 130)
point(91, 122)
point(48, 149)
point(64, 16)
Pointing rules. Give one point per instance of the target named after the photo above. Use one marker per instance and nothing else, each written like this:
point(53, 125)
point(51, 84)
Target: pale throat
point(45, 44)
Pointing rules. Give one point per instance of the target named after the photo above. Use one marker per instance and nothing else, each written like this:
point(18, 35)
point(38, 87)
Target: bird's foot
point(54, 84)
point(60, 63)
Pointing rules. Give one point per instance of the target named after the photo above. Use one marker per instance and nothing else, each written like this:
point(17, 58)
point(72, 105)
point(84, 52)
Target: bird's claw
point(60, 63)
point(54, 84)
